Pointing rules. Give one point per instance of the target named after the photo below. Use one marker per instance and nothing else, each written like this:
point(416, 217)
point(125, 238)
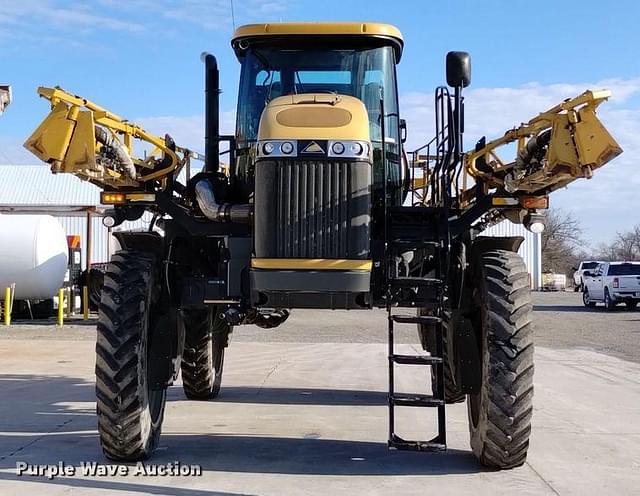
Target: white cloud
point(187, 131)
point(33, 19)
point(35, 16)
point(206, 14)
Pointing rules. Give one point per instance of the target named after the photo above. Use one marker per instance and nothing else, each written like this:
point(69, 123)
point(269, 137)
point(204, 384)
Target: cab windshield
point(366, 73)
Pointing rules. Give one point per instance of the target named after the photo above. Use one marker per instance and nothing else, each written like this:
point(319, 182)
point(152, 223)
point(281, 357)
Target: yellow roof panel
point(374, 29)
point(323, 28)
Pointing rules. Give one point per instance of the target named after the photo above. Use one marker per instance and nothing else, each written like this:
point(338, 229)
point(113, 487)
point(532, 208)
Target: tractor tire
point(129, 412)
point(452, 393)
point(500, 413)
point(206, 337)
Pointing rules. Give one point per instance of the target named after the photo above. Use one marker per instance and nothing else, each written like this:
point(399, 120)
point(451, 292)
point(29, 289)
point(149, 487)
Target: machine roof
point(335, 29)
point(35, 185)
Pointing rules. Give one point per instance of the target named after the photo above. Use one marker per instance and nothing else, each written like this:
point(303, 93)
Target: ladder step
point(427, 305)
point(422, 400)
point(412, 282)
point(416, 319)
point(414, 243)
point(415, 359)
point(402, 444)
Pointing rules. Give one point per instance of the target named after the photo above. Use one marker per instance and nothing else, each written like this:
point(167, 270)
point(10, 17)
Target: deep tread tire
point(129, 413)
point(500, 414)
point(203, 356)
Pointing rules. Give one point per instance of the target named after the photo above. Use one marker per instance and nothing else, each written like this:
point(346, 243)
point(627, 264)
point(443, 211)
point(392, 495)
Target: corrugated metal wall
point(100, 245)
point(530, 250)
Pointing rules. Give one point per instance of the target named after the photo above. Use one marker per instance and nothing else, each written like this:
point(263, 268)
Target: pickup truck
point(578, 283)
point(612, 283)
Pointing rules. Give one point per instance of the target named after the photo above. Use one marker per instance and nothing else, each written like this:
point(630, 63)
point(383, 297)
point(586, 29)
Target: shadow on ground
point(293, 396)
point(51, 418)
point(563, 308)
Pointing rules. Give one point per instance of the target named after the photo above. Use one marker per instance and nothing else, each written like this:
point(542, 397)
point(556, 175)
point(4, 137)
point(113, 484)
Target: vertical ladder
point(416, 292)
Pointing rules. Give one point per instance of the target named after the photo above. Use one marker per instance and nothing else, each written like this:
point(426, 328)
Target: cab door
point(596, 288)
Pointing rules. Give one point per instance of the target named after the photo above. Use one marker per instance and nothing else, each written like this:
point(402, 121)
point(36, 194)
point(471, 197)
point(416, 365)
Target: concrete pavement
point(311, 419)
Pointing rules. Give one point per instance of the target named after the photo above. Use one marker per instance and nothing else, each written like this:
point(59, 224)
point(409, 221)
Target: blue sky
point(140, 58)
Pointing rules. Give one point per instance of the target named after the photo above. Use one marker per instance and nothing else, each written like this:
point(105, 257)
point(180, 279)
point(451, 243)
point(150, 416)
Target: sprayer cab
point(317, 106)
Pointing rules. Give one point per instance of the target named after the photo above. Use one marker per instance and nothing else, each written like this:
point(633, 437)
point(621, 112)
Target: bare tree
point(561, 240)
point(625, 246)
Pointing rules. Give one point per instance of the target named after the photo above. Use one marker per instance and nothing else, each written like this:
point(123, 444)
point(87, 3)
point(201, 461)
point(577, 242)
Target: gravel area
point(560, 318)
point(562, 321)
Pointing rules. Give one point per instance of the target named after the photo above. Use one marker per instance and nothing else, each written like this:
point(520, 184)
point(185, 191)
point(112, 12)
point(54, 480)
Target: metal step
point(415, 359)
point(416, 319)
point(414, 243)
point(427, 305)
point(413, 282)
point(409, 399)
point(398, 443)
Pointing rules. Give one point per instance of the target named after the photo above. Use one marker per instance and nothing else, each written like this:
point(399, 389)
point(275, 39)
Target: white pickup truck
point(612, 283)
point(578, 283)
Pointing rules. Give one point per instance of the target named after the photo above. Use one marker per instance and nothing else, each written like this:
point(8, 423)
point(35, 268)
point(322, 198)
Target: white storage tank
point(33, 255)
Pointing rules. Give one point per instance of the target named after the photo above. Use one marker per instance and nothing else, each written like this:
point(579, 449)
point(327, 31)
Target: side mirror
point(458, 69)
point(587, 273)
point(574, 268)
point(403, 130)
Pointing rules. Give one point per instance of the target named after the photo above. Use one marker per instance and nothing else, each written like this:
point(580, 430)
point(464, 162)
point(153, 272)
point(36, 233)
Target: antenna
point(233, 17)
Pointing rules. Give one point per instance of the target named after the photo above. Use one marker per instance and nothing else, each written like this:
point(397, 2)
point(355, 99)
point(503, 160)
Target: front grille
point(312, 209)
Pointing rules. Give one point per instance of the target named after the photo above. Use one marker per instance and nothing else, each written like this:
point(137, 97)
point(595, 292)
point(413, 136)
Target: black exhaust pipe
point(211, 114)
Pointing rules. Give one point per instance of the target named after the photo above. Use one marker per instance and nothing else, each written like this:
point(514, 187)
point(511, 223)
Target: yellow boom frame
point(66, 139)
point(579, 144)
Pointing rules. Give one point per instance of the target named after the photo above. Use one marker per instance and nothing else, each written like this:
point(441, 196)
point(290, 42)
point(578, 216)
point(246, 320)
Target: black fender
point(146, 241)
point(482, 244)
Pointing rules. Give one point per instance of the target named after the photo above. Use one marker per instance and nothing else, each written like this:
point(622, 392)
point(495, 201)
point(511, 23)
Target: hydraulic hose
point(122, 155)
point(533, 150)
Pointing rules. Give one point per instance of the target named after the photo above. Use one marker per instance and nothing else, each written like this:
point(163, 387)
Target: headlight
point(356, 148)
point(277, 148)
point(534, 222)
point(337, 148)
point(349, 149)
point(108, 221)
point(267, 148)
point(286, 147)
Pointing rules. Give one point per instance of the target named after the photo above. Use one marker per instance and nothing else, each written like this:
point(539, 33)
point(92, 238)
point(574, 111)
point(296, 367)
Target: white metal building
point(34, 189)
point(530, 250)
